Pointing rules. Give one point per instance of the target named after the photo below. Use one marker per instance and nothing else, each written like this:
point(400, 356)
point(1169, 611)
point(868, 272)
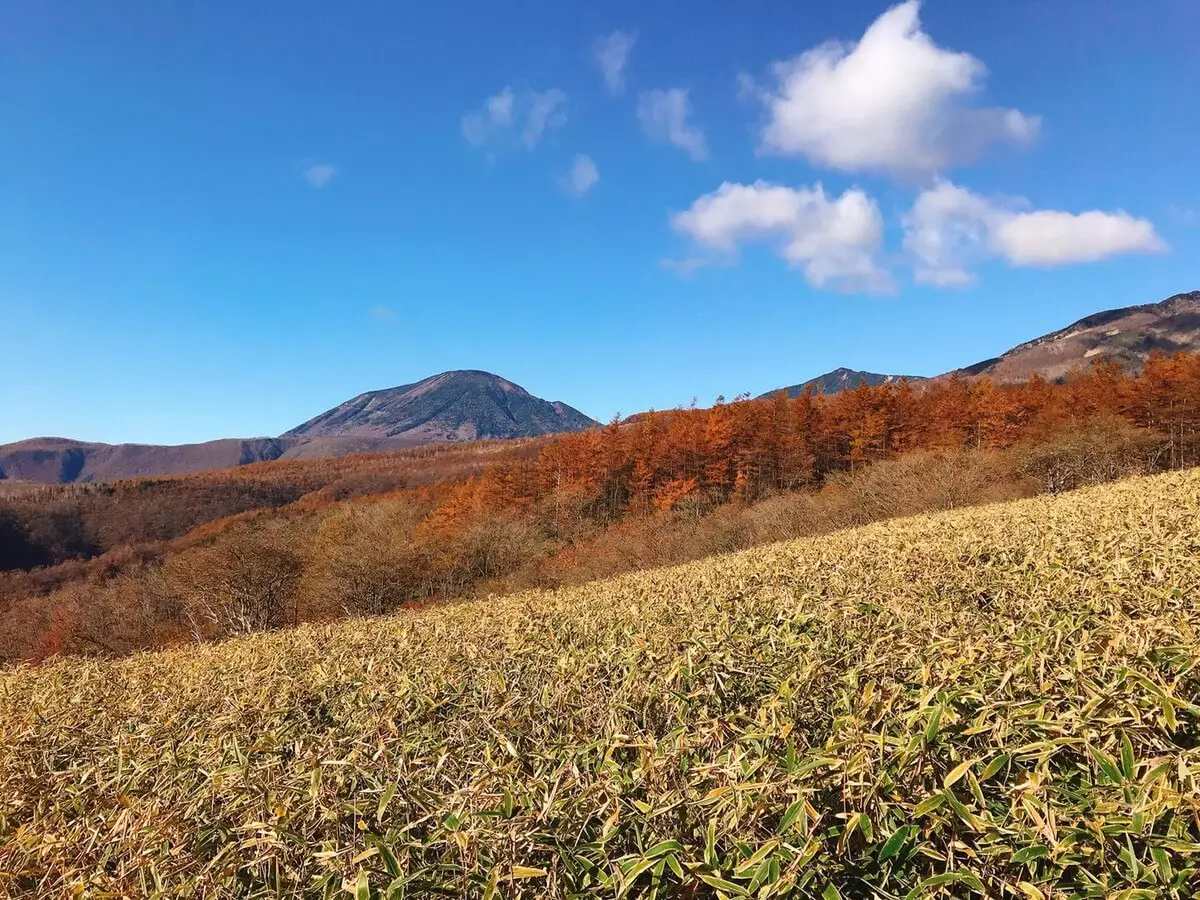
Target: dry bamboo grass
point(993, 702)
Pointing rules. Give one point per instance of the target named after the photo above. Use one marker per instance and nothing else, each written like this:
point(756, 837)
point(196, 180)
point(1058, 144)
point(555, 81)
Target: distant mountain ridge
point(470, 404)
point(841, 379)
point(62, 460)
point(452, 406)
point(1127, 336)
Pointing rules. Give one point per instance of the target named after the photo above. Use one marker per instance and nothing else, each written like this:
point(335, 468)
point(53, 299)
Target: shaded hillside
point(1126, 336)
point(841, 379)
point(62, 525)
point(453, 406)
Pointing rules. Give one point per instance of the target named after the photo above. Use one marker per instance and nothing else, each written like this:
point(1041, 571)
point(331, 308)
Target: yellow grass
point(994, 702)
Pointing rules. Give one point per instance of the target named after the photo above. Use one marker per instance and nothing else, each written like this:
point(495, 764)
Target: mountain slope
point(940, 666)
point(841, 379)
point(1126, 336)
point(453, 406)
point(61, 460)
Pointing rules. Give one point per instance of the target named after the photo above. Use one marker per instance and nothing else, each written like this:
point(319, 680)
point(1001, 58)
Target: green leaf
point(793, 812)
point(747, 868)
point(1106, 763)
point(710, 845)
point(388, 794)
point(674, 866)
point(1025, 854)
point(1163, 862)
point(389, 860)
point(659, 849)
point(935, 720)
point(760, 875)
point(893, 844)
point(1126, 755)
point(721, 884)
point(966, 878)
point(633, 873)
point(958, 772)
point(997, 763)
point(929, 804)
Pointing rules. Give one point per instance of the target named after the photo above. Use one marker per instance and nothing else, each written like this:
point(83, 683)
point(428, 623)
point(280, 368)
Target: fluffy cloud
point(509, 119)
point(664, 117)
point(319, 176)
point(581, 178)
point(834, 240)
point(893, 102)
point(612, 55)
point(949, 229)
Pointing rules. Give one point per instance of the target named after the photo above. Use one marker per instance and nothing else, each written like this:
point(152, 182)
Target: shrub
point(243, 583)
point(1092, 452)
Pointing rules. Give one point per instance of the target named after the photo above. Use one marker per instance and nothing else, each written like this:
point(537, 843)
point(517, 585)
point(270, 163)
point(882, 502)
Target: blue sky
point(220, 218)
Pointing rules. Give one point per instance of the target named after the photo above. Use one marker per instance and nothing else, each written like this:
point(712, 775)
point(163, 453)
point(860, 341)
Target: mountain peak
point(458, 405)
point(841, 379)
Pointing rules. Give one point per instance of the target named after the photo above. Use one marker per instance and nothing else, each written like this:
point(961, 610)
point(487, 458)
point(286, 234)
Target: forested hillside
point(369, 534)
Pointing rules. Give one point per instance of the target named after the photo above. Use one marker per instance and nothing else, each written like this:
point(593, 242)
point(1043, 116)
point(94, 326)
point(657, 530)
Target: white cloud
point(1184, 215)
point(510, 119)
point(949, 230)
point(319, 176)
point(664, 117)
point(544, 113)
point(893, 102)
point(612, 56)
point(834, 240)
point(383, 313)
point(748, 90)
point(500, 107)
point(686, 267)
point(581, 178)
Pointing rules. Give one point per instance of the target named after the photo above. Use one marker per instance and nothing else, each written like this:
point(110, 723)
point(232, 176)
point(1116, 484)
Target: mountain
point(1126, 336)
point(468, 405)
point(61, 460)
point(840, 380)
point(452, 406)
point(464, 405)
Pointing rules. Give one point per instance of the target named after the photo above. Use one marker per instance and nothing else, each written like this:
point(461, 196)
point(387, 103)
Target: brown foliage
point(274, 543)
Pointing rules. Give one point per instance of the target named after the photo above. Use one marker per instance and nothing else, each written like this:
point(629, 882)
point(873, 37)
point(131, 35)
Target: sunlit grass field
point(994, 702)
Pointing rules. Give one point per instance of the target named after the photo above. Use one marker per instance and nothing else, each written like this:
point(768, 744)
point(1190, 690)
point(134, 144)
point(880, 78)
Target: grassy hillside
point(999, 702)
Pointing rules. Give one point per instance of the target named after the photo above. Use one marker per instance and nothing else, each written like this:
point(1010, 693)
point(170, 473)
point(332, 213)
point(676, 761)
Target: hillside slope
point(983, 698)
point(1125, 336)
point(452, 406)
point(446, 408)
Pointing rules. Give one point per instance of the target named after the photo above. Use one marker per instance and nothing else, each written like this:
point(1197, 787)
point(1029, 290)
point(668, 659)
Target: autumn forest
point(113, 568)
